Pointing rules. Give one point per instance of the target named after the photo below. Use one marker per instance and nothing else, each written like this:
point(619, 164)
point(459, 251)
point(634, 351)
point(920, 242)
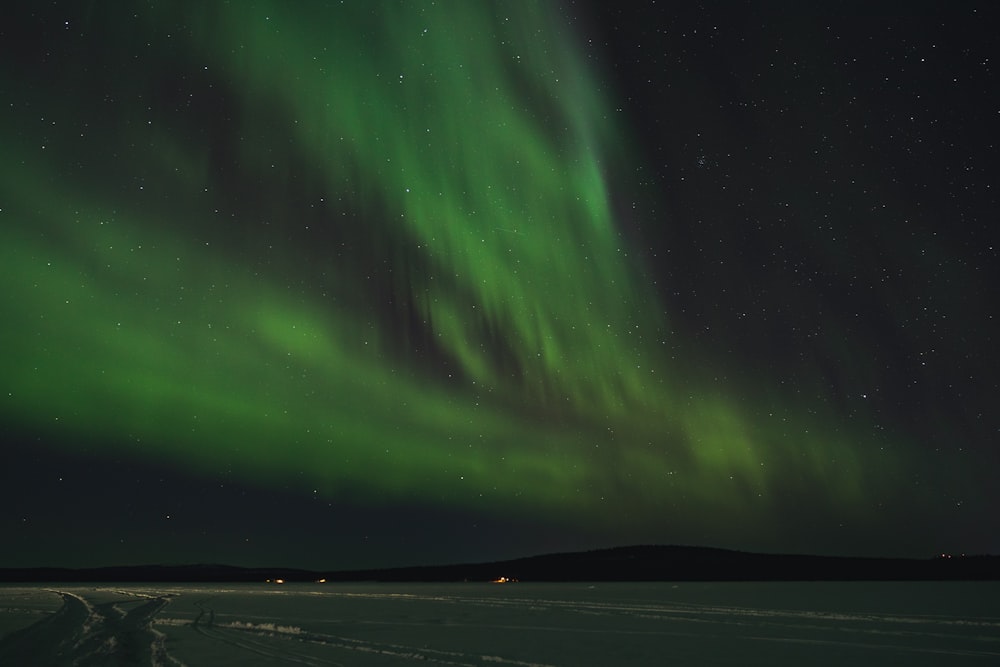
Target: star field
point(358, 284)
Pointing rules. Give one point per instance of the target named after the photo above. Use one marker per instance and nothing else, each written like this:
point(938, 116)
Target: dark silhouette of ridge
point(635, 563)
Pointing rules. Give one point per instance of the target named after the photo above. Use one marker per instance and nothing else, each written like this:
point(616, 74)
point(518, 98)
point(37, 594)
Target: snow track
point(83, 634)
point(469, 625)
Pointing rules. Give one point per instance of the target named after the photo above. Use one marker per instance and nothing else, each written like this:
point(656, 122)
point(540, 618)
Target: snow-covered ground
point(927, 623)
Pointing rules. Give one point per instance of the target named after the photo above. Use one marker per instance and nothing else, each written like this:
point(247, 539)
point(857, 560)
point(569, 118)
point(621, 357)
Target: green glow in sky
point(371, 251)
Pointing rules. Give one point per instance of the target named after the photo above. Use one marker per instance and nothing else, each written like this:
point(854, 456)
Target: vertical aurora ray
point(497, 192)
point(380, 259)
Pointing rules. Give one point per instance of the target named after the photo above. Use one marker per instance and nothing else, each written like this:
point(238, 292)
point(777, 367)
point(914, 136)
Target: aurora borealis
point(391, 282)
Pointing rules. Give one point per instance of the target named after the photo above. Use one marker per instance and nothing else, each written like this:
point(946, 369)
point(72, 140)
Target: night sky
point(363, 283)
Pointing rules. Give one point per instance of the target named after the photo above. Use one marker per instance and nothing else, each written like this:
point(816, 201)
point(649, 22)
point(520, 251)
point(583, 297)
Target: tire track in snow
point(85, 635)
point(50, 641)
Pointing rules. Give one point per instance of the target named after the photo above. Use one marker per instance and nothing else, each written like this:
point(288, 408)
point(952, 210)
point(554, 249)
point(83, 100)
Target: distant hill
point(636, 563)
point(680, 563)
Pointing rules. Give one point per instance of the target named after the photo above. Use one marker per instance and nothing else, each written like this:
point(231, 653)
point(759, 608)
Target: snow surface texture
point(521, 625)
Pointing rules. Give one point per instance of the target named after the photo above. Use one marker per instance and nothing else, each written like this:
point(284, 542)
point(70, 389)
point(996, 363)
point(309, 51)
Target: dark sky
point(355, 284)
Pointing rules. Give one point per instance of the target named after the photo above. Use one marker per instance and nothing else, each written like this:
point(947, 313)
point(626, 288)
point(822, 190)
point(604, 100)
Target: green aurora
point(374, 253)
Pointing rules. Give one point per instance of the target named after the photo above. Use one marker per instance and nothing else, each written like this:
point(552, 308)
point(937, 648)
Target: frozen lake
point(924, 623)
